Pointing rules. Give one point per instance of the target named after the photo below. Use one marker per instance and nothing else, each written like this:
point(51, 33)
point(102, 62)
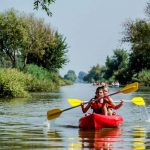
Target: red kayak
point(97, 121)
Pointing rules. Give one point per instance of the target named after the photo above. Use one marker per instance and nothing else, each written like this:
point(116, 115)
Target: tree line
point(25, 39)
point(31, 54)
point(127, 66)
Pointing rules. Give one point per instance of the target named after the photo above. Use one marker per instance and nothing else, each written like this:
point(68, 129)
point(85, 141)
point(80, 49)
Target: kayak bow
point(97, 121)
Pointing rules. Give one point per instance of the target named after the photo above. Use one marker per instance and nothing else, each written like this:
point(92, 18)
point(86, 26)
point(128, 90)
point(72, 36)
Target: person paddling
point(102, 103)
point(97, 103)
point(109, 103)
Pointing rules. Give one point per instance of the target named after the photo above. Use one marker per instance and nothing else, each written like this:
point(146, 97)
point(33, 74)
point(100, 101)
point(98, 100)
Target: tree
point(55, 54)
point(70, 75)
point(81, 75)
point(12, 36)
point(52, 53)
point(95, 74)
point(44, 4)
point(26, 39)
point(117, 66)
point(147, 9)
point(39, 36)
point(138, 34)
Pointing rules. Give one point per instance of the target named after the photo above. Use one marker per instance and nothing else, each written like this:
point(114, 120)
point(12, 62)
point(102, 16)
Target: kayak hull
point(97, 121)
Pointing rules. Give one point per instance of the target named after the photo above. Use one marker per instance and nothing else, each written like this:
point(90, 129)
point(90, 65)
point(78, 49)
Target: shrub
point(12, 83)
point(144, 77)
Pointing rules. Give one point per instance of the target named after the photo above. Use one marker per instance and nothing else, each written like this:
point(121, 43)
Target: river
point(24, 125)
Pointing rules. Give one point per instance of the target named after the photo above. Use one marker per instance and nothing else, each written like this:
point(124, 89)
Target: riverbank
point(16, 83)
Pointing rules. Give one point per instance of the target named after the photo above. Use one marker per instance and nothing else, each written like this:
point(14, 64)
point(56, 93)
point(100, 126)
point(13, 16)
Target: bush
point(44, 80)
point(13, 83)
point(144, 77)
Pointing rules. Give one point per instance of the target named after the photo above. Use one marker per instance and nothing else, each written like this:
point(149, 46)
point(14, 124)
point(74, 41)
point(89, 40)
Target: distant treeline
point(129, 66)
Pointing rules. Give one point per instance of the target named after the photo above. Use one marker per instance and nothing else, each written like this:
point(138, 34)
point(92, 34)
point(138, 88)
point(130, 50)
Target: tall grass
point(15, 83)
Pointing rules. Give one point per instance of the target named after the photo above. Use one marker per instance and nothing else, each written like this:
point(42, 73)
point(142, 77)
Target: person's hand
point(121, 102)
point(99, 99)
point(82, 104)
point(90, 102)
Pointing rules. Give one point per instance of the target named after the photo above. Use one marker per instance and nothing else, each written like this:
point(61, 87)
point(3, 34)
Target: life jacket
point(97, 106)
point(108, 104)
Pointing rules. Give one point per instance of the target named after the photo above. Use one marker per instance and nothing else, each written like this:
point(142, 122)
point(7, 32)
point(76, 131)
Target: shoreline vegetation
point(16, 83)
point(32, 52)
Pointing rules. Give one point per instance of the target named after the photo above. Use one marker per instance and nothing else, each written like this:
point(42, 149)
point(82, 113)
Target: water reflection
point(22, 123)
point(139, 138)
point(100, 139)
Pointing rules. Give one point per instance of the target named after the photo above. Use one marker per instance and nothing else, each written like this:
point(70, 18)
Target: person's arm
point(110, 101)
point(85, 109)
point(119, 105)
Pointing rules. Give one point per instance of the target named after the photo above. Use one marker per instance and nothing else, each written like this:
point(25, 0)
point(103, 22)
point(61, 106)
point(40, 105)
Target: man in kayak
point(110, 105)
point(97, 103)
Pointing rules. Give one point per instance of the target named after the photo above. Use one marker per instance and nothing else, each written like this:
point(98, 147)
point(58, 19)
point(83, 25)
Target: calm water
point(23, 123)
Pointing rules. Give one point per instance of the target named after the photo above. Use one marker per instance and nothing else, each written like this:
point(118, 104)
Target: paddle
point(127, 89)
point(136, 100)
point(54, 113)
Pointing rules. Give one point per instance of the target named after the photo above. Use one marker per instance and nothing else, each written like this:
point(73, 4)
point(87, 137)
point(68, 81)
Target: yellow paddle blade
point(75, 102)
point(54, 113)
point(138, 101)
point(130, 88)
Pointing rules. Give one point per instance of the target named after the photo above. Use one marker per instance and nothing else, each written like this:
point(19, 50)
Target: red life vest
point(97, 106)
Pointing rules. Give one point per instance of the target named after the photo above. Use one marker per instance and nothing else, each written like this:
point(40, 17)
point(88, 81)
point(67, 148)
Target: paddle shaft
point(129, 88)
point(114, 93)
point(71, 108)
point(51, 114)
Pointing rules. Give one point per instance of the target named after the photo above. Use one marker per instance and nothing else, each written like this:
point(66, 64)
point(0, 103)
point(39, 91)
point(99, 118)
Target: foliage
point(13, 83)
point(44, 5)
point(117, 66)
point(70, 76)
point(26, 39)
point(147, 9)
point(38, 72)
point(12, 36)
point(46, 80)
point(81, 75)
point(54, 57)
point(138, 34)
point(143, 77)
point(95, 74)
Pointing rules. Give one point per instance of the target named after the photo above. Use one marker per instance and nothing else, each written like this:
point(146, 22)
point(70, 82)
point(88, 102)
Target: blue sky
point(93, 28)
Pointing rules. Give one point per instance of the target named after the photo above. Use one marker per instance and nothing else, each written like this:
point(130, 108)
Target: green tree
point(52, 53)
point(70, 75)
point(25, 39)
point(12, 36)
point(55, 54)
point(95, 74)
point(44, 4)
point(117, 66)
point(147, 9)
point(138, 35)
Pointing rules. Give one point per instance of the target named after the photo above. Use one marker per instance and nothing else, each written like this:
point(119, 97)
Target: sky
point(92, 28)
